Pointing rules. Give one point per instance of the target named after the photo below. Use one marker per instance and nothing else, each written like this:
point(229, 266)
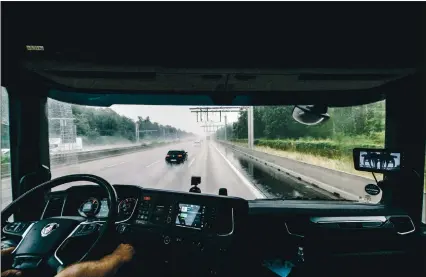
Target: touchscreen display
point(190, 216)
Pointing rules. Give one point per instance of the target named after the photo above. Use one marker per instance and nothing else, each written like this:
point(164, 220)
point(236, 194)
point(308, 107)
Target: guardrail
point(339, 183)
point(61, 159)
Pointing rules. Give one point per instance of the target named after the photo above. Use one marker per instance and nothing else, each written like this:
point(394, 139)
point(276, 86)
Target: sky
point(176, 116)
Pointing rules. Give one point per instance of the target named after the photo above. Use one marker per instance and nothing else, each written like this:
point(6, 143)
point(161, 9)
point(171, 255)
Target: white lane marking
point(153, 163)
point(191, 162)
point(114, 165)
point(256, 192)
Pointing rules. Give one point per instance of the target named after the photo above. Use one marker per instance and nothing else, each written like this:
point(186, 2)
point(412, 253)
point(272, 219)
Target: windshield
point(136, 144)
point(175, 152)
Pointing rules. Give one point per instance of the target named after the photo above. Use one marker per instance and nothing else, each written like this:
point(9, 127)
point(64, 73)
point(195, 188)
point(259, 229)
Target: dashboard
point(149, 208)
point(201, 234)
point(172, 227)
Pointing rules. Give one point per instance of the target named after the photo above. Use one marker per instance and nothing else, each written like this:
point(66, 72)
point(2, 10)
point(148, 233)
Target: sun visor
point(104, 86)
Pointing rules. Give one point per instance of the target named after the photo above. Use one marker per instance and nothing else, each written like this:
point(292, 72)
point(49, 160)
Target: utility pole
point(225, 127)
point(137, 132)
point(250, 119)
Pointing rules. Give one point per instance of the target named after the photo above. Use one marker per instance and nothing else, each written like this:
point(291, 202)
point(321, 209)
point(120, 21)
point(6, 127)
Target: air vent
point(53, 207)
point(243, 77)
point(346, 77)
point(141, 76)
point(402, 224)
point(212, 76)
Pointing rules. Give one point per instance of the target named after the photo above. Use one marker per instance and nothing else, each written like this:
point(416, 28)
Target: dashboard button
point(169, 219)
point(121, 228)
point(166, 240)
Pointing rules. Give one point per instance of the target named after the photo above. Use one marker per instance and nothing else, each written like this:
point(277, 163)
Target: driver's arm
point(5, 255)
point(105, 267)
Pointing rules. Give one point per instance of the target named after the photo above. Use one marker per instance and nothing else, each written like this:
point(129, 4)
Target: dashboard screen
point(104, 209)
point(190, 216)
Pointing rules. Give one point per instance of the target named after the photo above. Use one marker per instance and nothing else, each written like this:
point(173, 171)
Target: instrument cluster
point(99, 207)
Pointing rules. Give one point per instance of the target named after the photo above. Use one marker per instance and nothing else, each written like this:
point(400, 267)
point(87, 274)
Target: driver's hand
point(5, 254)
point(125, 252)
point(105, 267)
point(11, 273)
point(7, 251)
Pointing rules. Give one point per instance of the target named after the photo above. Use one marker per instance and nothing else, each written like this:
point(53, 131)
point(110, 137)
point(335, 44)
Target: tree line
point(93, 122)
point(276, 122)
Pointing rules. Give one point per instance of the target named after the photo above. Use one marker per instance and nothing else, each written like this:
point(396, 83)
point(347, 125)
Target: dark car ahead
point(176, 156)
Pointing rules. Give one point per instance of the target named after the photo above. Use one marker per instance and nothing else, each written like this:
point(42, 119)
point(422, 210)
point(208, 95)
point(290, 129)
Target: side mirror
point(310, 114)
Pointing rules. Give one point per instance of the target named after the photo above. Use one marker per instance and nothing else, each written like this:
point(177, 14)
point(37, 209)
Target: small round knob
point(166, 240)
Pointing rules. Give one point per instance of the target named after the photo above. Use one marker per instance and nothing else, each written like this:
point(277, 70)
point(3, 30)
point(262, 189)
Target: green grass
point(333, 149)
point(5, 159)
point(334, 154)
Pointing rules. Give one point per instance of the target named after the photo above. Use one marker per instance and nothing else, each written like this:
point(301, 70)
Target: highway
point(217, 165)
point(148, 169)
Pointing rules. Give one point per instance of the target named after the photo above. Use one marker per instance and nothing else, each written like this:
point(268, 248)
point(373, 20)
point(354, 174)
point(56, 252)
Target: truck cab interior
point(214, 54)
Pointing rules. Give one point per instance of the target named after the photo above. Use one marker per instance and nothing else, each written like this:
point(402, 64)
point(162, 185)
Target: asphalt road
point(217, 166)
point(148, 169)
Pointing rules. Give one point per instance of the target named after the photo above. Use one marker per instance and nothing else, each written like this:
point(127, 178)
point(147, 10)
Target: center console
point(174, 228)
point(198, 213)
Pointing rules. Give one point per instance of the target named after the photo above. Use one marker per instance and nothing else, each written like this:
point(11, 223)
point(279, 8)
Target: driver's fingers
point(7, 251)
point(11, 272)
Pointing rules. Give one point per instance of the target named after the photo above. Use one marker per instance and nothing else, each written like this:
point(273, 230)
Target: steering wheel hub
point(44, 238)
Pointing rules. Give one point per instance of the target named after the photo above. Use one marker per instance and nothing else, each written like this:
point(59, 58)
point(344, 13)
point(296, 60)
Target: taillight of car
point(180, 156)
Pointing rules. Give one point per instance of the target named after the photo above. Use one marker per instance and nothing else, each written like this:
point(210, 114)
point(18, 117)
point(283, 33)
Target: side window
point(6, 188)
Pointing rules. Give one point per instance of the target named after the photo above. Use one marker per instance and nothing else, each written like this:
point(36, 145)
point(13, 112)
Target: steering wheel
point(42, 240)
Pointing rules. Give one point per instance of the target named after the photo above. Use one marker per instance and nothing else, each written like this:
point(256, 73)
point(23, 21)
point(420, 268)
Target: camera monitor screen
point(190, 216)
point(377, 160)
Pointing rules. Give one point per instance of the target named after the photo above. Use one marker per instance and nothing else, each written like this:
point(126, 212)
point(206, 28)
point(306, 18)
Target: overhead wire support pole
point(250, 127)
point(211, 128)
point(225, 128)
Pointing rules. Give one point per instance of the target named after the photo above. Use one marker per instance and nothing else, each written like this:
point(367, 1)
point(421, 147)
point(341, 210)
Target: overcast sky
point(176, 116)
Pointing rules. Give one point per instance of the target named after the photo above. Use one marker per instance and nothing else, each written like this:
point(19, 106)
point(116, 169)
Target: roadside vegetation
point(103, 126)
point(329, 144)
point(5, 159)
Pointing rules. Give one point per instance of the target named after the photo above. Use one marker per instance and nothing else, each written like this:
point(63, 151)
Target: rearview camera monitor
point(377, 160)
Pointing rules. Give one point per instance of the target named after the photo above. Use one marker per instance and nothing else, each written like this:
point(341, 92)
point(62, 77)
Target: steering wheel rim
point(108, 224)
